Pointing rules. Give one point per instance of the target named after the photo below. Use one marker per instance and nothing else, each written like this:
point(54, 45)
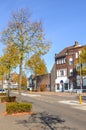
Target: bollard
point(30, 91)
point(80, 99)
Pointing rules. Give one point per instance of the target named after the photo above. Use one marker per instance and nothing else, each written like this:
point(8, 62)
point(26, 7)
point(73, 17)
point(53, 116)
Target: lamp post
point(81, 77)
point(80, 96)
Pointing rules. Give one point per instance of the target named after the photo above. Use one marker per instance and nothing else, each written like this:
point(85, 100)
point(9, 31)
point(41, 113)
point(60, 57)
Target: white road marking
point(25, 94)
point(75, 104)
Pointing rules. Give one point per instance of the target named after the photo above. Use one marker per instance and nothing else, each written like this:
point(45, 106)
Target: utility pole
point(81, 77)
point(80, 96)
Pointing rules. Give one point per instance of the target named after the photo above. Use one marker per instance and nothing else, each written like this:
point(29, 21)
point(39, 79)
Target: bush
point(43, 87)
point(15, 107)
point(8, 99)
point(3, 94)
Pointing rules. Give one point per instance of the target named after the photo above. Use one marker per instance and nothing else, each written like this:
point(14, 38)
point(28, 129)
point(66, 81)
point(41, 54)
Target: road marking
point(30, 95)
point(70, 102)
point(74, 104)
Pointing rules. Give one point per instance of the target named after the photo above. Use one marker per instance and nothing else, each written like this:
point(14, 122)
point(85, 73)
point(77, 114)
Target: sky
point(64, 22)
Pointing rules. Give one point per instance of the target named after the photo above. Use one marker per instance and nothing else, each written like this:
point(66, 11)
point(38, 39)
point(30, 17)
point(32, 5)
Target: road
point(58, 112)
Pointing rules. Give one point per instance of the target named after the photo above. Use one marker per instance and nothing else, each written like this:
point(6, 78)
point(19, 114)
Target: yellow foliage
point(37, 65)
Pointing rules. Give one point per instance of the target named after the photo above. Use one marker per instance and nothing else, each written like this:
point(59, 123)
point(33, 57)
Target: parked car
point(29, 88)
point(3, 90)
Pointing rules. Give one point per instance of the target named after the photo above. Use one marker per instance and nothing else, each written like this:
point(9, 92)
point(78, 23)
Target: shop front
point(62, 84)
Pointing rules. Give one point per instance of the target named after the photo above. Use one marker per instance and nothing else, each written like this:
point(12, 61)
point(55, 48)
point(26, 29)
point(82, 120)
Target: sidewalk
point(9, 122)
point(58, 94)
point(39, 121)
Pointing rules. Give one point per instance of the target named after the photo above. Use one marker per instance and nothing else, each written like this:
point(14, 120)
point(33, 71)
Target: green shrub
point(8, 99)
point(16, 107)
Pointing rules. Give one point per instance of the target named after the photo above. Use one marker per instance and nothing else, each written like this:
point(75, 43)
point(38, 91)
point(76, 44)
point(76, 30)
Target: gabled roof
point(64, 51)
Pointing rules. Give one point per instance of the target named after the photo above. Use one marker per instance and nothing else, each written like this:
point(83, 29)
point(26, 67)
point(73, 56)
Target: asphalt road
point(56, 115)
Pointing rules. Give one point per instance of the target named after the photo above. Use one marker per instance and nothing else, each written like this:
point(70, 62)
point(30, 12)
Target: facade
point(53, 77)
point(66, 78)
point(40, 82)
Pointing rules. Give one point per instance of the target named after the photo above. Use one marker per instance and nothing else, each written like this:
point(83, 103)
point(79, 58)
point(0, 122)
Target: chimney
point(76, 43)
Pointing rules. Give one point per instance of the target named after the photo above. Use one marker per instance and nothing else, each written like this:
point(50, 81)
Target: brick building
point(63, 74)
point(40, 82)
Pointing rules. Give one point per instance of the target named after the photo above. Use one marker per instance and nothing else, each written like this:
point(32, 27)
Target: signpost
point(61, 82)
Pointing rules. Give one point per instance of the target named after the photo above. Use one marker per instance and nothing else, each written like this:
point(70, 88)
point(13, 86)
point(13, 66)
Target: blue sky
point(64, 21)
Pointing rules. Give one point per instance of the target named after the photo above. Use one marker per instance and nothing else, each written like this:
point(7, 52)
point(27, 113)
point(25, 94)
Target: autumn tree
point(37, 65)
point(83, 55)
point(81, 62)
point(9, 59)
point(3, 70)
point(15, 79)
point(7, 62)
point(28, 36)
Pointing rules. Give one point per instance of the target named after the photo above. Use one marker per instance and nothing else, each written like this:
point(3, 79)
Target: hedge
point(16, 107)
point(3, 94)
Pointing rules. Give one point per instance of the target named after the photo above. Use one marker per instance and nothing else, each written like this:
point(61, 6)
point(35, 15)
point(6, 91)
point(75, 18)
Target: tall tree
point(37, 65)
point(10, 59)
point(15, 78)
point(3, 70)
point(81, 62)
point(7, 62)
point(83, 55)
point(28, 36)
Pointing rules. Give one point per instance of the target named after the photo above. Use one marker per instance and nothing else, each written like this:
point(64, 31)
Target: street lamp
point(80, 97)
point(81, 77)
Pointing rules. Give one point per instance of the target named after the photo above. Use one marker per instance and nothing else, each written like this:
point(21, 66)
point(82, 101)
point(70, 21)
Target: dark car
point(2, 90)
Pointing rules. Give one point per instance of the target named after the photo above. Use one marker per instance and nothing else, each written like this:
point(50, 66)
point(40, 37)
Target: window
point(71, 61)
point(61, 72)
point(58, 86)
point(66, 86)
point(64, 60)
point(76, 54)
point(71, 72)
point(79, 52)
point(57, 61)
point(84, 81)
point(61, 61)
point(57, 73)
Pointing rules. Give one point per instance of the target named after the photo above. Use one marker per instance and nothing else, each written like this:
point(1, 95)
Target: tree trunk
point(2, 82)
point(9, 84)
point(20, 80)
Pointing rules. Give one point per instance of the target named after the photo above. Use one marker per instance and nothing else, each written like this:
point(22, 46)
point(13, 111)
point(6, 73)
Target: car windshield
point(2, 90)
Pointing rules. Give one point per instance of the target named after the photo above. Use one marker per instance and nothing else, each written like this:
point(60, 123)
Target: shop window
point(58, 87)
point(66, 86)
